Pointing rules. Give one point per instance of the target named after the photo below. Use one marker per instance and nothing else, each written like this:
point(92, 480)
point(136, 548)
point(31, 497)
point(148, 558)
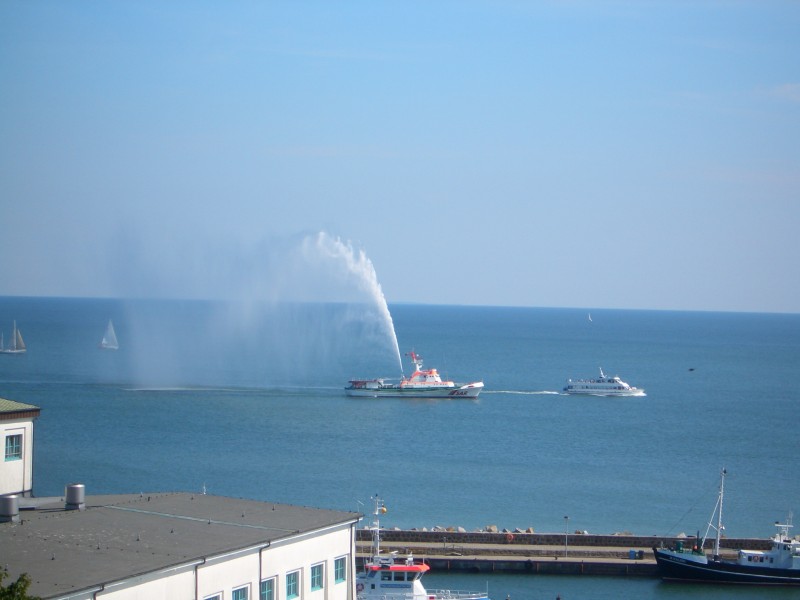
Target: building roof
point(10, 409)
point(117, 537)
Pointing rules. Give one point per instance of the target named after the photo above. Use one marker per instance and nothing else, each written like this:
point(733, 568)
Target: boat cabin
point(384, 578)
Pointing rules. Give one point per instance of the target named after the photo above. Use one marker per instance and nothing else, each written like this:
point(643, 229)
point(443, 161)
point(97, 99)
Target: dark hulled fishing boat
point(780, 565)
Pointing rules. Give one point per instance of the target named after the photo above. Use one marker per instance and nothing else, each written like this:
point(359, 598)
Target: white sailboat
point(17, 346)
point(109, 341)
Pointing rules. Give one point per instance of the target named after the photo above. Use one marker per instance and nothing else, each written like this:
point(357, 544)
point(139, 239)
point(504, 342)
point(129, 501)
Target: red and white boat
point(389, 577)
point(423, 383)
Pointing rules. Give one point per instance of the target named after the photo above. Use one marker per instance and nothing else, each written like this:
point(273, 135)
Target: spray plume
point(356, 267)
point(302, 310)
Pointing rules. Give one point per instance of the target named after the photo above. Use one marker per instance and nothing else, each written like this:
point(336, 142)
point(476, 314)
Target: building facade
point(180, 546)
point(16, 434)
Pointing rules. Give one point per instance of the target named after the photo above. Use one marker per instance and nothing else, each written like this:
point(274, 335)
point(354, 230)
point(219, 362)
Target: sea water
point(199, 398)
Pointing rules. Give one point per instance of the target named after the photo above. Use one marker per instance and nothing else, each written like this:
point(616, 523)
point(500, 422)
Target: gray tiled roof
point(120, 536)
point(13, 406)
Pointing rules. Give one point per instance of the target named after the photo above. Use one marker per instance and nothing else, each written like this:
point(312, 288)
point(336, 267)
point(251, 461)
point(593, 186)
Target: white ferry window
point(399, 576)
point(386, 575)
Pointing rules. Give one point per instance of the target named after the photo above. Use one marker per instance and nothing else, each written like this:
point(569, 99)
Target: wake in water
point(524, 393)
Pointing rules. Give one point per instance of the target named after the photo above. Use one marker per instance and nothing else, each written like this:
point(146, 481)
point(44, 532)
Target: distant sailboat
point(109, 341)
point(17, 346)
point(590, 317)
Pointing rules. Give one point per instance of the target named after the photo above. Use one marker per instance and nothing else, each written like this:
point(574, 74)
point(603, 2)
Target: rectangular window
point(240, 593)
point(214, 597)
point(292, 585)
point(268, 589)
point(14, 447)
point(316, 577)
point(340, 570)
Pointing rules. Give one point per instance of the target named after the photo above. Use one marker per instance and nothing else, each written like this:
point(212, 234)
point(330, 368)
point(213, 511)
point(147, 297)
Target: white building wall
point(177, 584)
point(248, 567)
point(16, 476)
point(224, 574)
point(301, 555)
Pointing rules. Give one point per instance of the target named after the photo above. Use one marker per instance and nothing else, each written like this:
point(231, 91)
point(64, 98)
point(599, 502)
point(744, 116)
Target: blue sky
point(577, 154)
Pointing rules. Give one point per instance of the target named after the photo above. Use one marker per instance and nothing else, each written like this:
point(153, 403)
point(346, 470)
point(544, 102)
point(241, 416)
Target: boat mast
point(718, 510)
point(719, 513)
point(380, 509)
point(783, 529)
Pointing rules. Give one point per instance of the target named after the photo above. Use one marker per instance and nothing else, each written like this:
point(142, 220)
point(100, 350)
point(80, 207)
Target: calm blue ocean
point(248, 401)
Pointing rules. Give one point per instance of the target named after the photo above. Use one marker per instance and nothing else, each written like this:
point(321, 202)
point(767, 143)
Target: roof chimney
point(9, 508)
point(75, 495)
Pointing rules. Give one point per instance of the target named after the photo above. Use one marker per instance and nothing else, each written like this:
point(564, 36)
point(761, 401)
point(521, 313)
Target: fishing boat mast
point(719, 527)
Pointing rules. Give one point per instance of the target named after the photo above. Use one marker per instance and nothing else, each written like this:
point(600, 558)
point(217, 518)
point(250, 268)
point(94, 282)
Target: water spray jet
point(358, 267)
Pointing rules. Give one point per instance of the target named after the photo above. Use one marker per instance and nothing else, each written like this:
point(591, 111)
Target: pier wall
point(547, 567)
point(537, 553)
point(447, 538)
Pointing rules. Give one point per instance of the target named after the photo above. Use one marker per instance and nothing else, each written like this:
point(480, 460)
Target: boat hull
point(470, 390)
point(632, 392)
point(676, 566)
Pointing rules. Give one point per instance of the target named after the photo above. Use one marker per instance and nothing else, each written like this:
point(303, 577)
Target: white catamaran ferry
point(423, 383)
point(602, 386)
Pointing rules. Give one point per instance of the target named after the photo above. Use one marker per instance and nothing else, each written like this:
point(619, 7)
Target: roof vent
point(9, 508)
point(75, 495)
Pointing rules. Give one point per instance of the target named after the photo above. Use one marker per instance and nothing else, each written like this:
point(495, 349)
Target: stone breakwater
point(525, 552)
point(516, 539)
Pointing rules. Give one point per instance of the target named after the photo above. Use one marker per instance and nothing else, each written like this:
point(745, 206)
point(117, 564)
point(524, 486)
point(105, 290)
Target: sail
point(109, 341)
point(15, 345)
